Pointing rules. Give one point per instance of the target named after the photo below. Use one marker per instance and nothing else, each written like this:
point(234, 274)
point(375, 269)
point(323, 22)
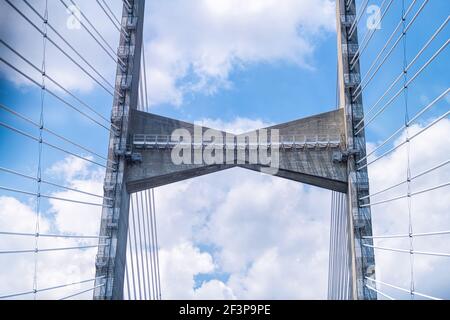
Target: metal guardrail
point(285, 142)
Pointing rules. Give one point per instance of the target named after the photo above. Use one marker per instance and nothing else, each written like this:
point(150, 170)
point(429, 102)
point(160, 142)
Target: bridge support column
point(111, 257)
point(362, 261)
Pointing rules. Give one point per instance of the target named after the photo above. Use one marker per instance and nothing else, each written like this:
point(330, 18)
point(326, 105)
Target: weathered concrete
point(157, 168)
point(313, 166)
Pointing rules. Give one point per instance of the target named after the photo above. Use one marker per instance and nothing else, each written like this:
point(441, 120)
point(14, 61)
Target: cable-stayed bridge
point(327, 150)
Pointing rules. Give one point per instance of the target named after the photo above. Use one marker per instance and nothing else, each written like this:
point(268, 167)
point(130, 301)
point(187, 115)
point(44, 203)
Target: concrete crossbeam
point(311, 165)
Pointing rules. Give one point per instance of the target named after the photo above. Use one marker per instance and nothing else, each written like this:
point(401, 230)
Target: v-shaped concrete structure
point(309, 152)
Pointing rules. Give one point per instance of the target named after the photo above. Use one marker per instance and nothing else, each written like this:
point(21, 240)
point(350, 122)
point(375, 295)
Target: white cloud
point(180, 265)
point(209, 40)
point(212, 38)
point(275, 275)
point(28, 41)
point(271, 235)
point(268, 235)
point(72, 217)
point(70, 168)
point(236, 126)
point(429, 211)
point(251, 220)
point(214, 290)
point(54, 268)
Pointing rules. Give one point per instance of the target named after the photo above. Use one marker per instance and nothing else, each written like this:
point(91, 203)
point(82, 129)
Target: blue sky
point(256, 85)
point(275, 93)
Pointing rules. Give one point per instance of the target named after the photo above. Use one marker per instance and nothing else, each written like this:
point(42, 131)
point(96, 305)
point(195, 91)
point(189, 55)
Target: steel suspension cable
point(361, 86)
point(112, 17)
point(438, 254)
point(411, 194)
point(136, 246)
point(154, 248)
point(114, 57)
point(339, 251)
point(39, 179)
point(40, 195)
point(127, 282)
point(359, 90)
point(141, 91)
point(415, 235)
point(402, 289)
point(156, 244)
point(51, 132)
point(410, 122)
point(343, 248)
point(43, 235)
point(408, 156)
point(52, 183)
point(40, 149)
point(15, 295)
point(60, 49)
point(406, 141)
point(69, 45)
point(399, 92)
point(130, 248)
point(127, 4)
point(146, 244)
point(151, 246)
point(357, 19)
point(41, 141)
point(334, 247)
point(84, 291)
point(440, 165)
point(140, 213)
point(369, 34)
point(113, 52)
point(145, 78)
point(379, 292)
point(116, 24)
point(65, 102)
point(57, 84)
point(49, 250)
point(331, 254)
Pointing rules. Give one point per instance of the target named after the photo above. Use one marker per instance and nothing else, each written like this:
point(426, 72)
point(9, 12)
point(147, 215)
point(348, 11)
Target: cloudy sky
point(237, 66)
